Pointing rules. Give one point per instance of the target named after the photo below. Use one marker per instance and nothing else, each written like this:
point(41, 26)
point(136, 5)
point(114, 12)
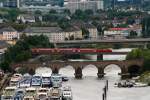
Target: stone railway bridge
point(127, 66)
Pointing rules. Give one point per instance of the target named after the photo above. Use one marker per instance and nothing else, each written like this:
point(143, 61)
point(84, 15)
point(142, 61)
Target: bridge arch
point(134, 70)
point(41, 70)
point(68, 70)
point(111, 67)
point(115, 65)
point(90, 70)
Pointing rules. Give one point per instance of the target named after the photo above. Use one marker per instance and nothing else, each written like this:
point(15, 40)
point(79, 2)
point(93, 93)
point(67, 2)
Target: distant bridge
point(144, 41)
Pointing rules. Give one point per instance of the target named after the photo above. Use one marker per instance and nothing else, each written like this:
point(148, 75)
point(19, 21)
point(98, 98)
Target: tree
point(5, 66)
point(135, 54)
point(12, 14)
point(133, 34)
point(117, 46)
point(71, 37)
point(79, 14)
point(38, 12)
point(138, 54)
point(88, 12)
point(21, 50)
point(64, 23)
point(52, 11)
point(100, 30)
point(67, 11)
point(50, 17)
point(85, 33)
point(130, 21)
point(146, 27)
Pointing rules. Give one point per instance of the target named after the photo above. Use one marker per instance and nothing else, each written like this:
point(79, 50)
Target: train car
point(67, 50)
point(86, 50)
point(103, 50)
point(46, 50)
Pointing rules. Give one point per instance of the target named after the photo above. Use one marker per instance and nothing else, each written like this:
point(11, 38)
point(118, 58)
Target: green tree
point(133, 34)
point(135, 54)
point(79, 14)
point(12, 14)
point(64, 23)
point(146, 27)
point(38, 12)
point(52, 11)
point(100, 30)
point(5, 66)
point(89, 12)
point(21, 50)
point(85, 33)
point(67, 11)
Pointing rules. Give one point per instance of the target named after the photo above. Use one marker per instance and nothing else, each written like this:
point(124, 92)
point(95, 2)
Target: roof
point(28, 17)
point(7, 29)
point(42, 30)
point(73, 28)
point(3, 44)
point(82, 24)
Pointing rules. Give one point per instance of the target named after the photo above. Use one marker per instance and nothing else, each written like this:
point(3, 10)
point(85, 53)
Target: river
point(91, 88)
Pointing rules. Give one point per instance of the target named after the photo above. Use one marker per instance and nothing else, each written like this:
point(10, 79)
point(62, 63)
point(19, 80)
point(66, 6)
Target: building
point(11, 3)
point(84, 5)
point(43, 2)
point(73, 33)
point(26, 18)
point(43, 9)
point(93, 33)
point(53, 33)
point(117, 33)
point(8, 34)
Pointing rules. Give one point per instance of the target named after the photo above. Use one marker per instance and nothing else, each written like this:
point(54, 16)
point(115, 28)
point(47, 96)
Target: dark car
point(65, 78)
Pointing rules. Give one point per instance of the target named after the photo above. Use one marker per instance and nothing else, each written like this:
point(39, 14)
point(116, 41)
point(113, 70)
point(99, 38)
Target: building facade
point(43, 9)
point(117, 33)
point(11, 3)
point(26, 18)
point(84, 5)
point(73, 33)
point(53, 33)
point(8, 34)
point(43, 2)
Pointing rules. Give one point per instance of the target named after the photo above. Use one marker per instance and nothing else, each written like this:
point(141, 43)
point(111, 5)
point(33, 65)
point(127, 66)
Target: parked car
point(65, 78)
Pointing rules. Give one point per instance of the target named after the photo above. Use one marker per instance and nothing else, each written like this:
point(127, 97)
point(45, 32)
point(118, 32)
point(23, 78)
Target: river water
point(91, 88)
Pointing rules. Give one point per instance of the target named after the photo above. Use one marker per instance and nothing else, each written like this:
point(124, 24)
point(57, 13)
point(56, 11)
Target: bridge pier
point(99, 57)
point(100, 73)
point(145, 45)
point(78, 73)
point(55, 71)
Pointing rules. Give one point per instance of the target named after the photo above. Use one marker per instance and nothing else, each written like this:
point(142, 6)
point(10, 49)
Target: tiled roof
point(7, 29)
point(42, 30)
